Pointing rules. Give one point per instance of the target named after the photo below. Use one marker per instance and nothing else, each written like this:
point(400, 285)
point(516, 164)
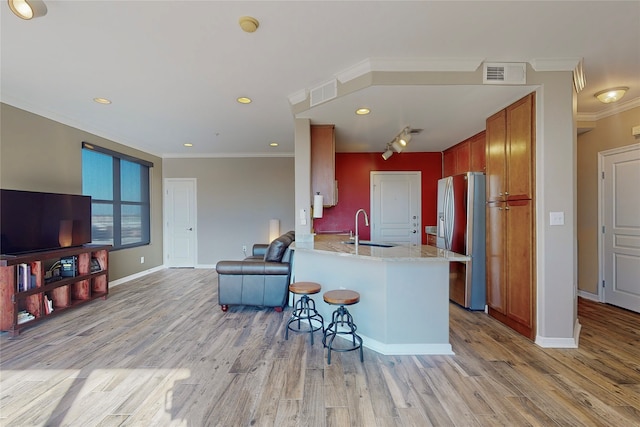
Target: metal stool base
point(342, 317)
point(305, 311)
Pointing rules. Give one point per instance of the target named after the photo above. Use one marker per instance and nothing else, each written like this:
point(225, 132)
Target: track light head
point(28, 9)
point(405, 136)
point(397, 145)
point(387, 154)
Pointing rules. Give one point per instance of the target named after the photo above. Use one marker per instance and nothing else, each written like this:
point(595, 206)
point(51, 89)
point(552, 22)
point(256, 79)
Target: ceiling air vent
point(323, 93)
point(510, 73)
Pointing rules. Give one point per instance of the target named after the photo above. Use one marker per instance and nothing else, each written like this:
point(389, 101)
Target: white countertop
point(333, 244)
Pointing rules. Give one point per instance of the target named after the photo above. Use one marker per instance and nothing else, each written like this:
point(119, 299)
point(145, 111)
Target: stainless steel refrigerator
point(461, 229)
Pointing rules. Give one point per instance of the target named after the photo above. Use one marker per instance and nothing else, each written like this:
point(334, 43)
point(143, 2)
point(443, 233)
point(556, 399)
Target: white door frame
point(602, 155)
point(165, 207)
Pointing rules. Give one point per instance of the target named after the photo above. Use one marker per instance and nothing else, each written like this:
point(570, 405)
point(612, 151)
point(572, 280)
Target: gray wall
point(236, 199)
point(38, 154)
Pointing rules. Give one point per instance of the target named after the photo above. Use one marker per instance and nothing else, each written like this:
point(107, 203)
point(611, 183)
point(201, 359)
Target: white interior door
point(395, 207)
point(181, 236)
point(620, 244)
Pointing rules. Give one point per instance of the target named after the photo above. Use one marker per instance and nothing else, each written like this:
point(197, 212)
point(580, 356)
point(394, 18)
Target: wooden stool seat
point(341, 297)
point(305, 288)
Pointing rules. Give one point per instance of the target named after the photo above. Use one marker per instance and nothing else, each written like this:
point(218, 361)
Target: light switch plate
point(556, 218)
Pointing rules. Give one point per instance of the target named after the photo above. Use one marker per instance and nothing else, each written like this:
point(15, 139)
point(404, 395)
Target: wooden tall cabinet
point(323, 166)
point(510, 219)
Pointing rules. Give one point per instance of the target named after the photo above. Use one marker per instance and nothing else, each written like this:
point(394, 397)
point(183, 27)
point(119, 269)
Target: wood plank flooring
point(160, 352)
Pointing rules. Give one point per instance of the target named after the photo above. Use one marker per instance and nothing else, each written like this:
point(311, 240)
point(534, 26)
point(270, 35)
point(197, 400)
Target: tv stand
point(63, 292)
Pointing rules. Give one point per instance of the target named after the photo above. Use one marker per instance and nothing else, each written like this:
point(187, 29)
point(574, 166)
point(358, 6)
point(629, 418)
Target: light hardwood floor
point(159, 352)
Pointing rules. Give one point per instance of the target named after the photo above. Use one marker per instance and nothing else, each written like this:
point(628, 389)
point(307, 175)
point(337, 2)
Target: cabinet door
point(448, 162)
point(495, 156)
point(477, 153)
point(323, 176)
point(462, 158)
point(496, 255)
point(519, 234)
point(520, 138)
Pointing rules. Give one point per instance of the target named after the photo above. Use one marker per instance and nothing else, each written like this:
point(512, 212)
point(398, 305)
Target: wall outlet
point(141, 260)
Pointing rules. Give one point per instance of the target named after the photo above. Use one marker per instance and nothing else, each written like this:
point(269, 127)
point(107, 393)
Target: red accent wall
point(352, 174)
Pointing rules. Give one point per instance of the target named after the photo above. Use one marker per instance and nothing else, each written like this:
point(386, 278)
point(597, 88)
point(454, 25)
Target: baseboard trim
point(588, 295)
point(404, 349)
point(548, 342)
point(135, 276)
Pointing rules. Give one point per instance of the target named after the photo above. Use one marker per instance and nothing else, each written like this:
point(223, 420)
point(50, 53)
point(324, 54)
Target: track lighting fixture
point(27, 9)
point(398, 144)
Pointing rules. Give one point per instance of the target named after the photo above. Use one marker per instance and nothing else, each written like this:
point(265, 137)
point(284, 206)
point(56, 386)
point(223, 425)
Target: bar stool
point(304, 310)
point(342, 317)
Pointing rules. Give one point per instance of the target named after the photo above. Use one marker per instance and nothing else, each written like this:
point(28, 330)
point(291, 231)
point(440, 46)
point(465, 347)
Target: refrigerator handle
point(448, 217)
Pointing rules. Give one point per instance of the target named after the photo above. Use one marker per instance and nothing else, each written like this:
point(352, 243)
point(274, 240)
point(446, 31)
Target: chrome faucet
point(366, 222)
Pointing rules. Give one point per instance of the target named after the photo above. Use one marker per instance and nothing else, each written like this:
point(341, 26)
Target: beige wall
point(39, 154)
point(610, 132)
point(236, 199)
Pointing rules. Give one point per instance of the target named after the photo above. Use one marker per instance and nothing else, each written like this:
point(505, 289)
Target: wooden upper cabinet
point(477, 152)
point(467, 156)
point(520, 140)
point(448, 163)
point(509, 151)
point(496, 163)
point(462, 158)
point(323, 163)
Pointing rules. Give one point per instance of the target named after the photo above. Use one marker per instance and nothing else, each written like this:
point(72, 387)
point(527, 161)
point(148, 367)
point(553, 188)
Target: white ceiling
point(173, 69)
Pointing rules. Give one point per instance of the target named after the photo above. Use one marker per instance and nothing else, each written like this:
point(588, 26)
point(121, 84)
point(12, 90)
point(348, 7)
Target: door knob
point(414, 231)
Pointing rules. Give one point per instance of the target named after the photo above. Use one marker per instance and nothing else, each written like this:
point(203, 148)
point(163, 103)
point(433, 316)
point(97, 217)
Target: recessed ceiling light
point(244, 100)
point(102, 101)
point(273, 144)
point(188, 144)
point(362, 111)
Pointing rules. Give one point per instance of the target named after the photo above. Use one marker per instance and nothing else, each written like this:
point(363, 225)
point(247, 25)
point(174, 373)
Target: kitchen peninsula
point(404, 290)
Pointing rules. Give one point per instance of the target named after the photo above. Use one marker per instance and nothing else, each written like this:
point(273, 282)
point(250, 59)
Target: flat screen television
point(34, 221)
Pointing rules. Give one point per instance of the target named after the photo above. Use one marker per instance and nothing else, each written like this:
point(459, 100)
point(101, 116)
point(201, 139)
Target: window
point(119, 188)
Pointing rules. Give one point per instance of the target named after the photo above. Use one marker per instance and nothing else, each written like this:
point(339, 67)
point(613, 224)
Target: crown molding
point(555, 64)
point(408, 65)
point(610, 111)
